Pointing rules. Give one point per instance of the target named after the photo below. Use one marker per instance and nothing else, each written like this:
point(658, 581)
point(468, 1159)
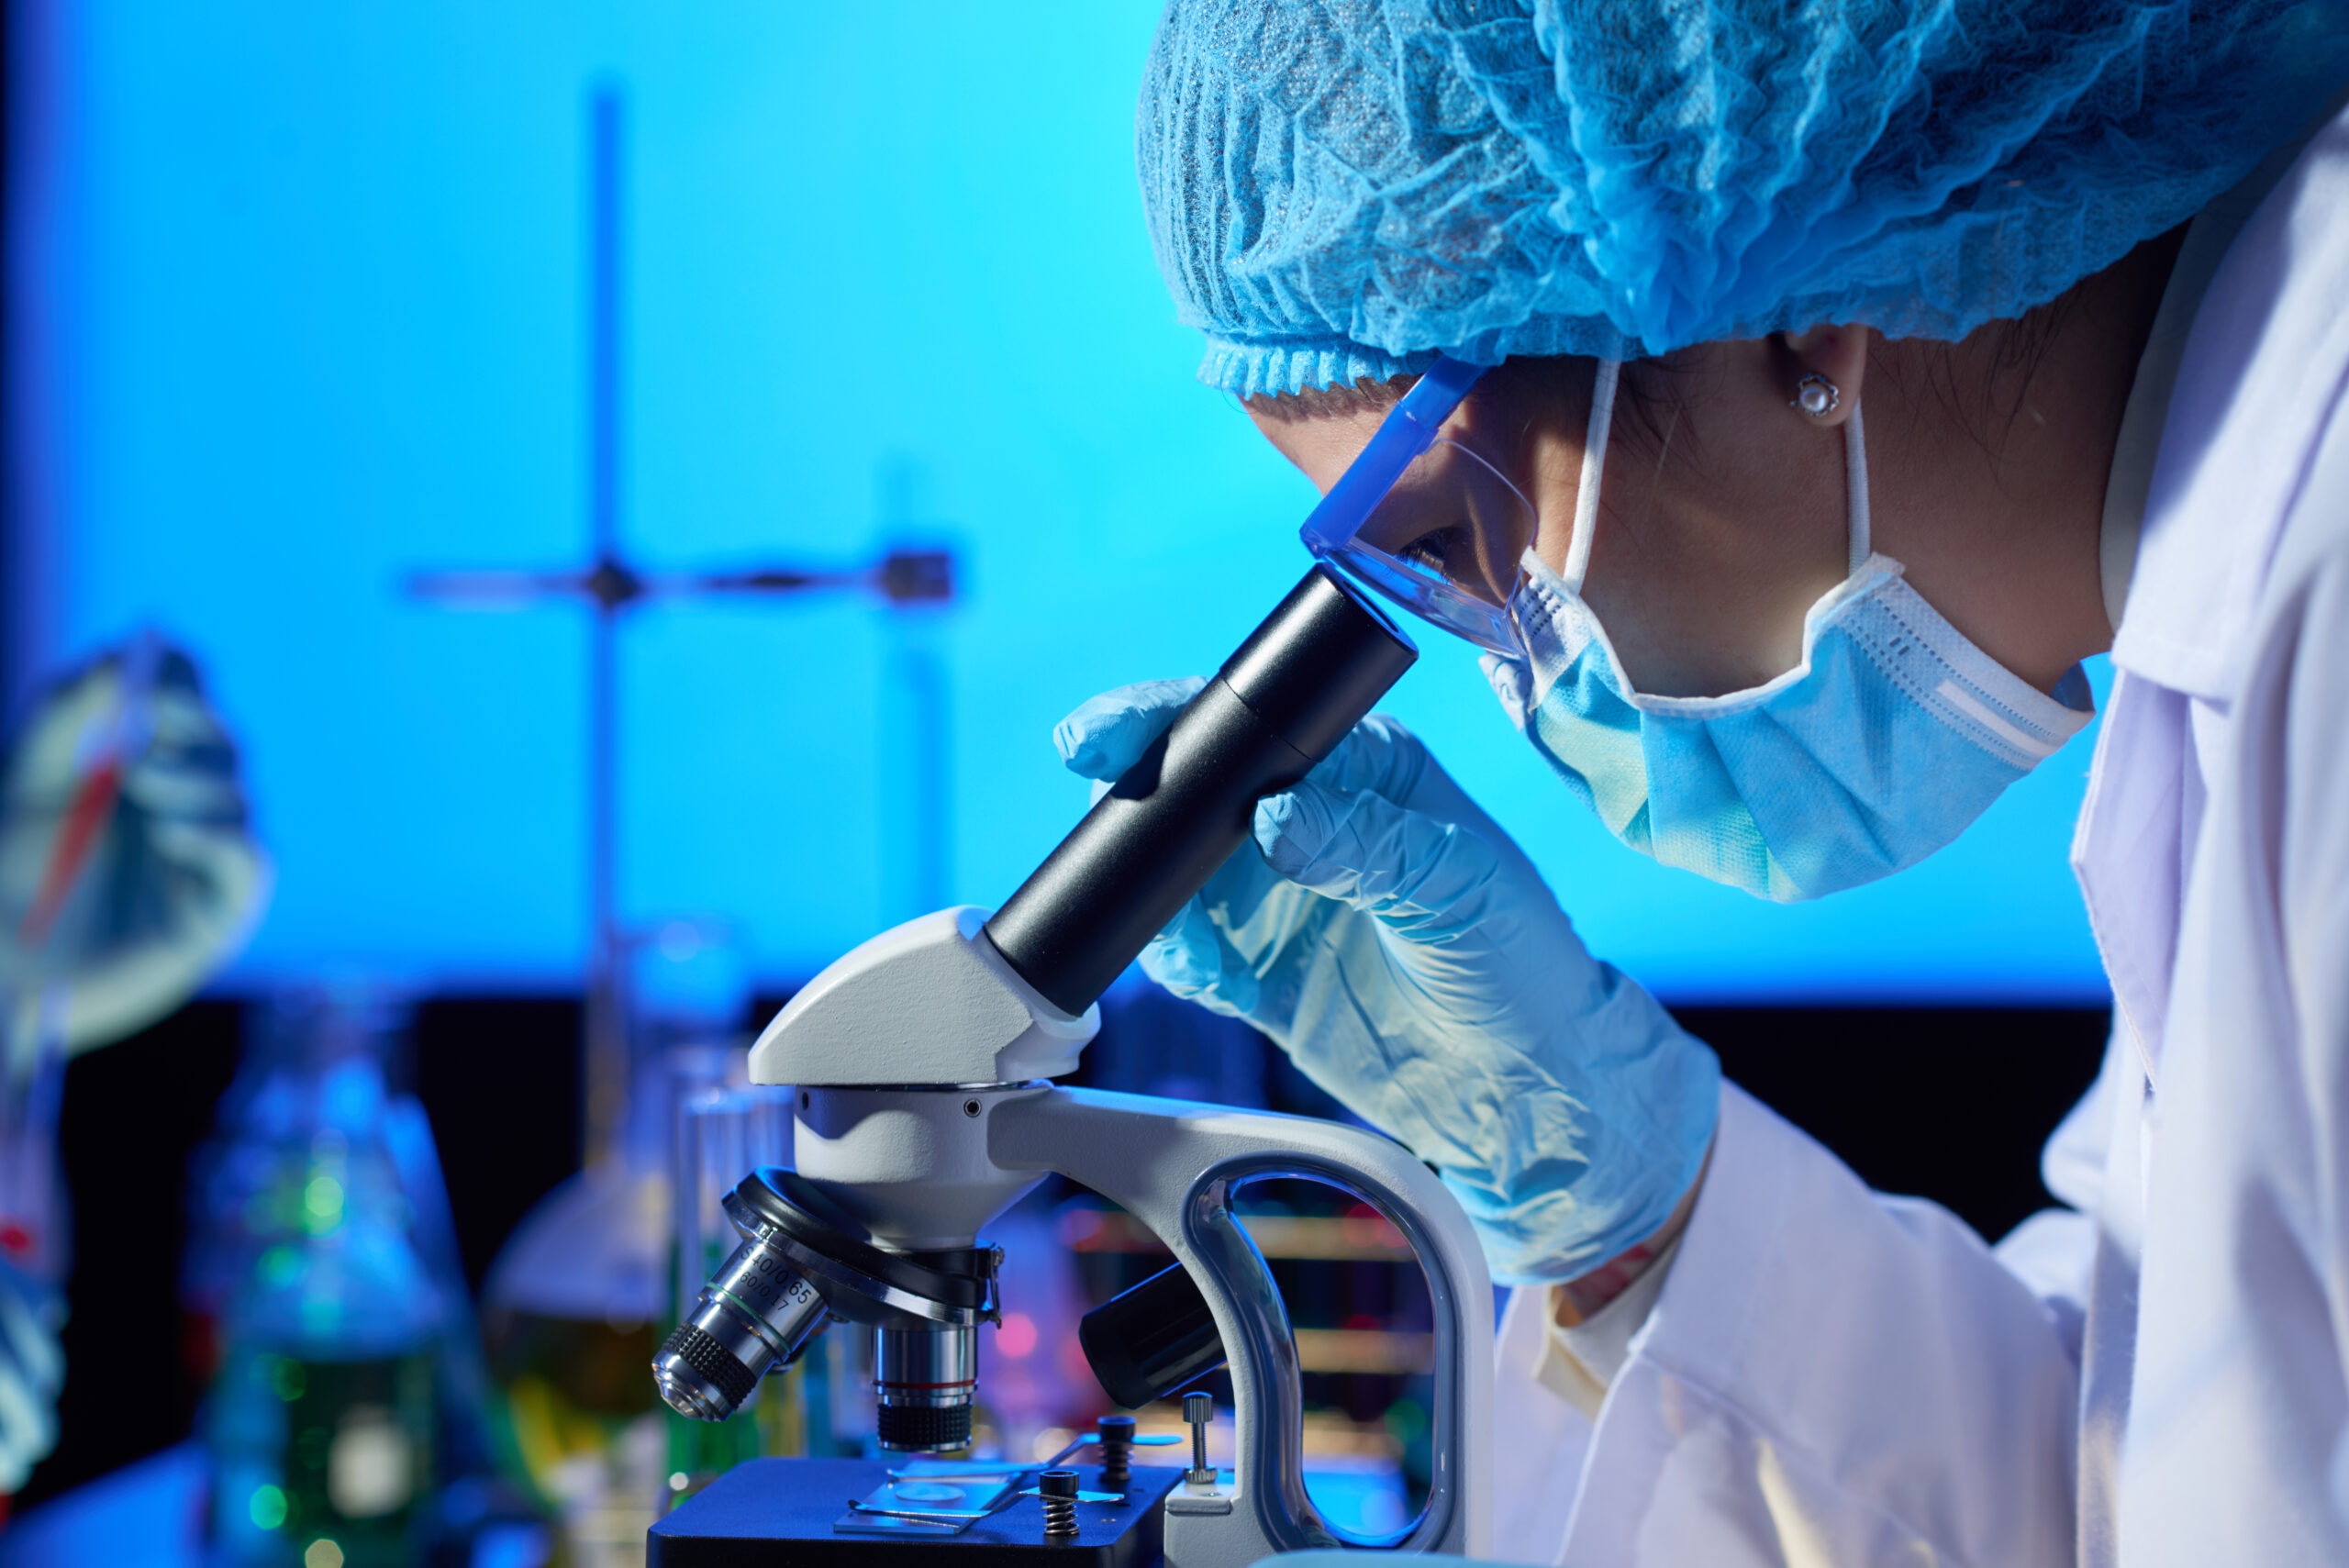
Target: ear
point(1838, 354)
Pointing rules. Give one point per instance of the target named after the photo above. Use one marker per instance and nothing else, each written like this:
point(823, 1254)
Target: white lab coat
point(2154, 1376)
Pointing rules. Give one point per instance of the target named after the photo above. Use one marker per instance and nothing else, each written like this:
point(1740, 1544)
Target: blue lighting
point(310, 292)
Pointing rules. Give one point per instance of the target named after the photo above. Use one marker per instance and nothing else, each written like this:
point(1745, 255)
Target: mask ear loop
point(1594, 465)
point(1855, 491)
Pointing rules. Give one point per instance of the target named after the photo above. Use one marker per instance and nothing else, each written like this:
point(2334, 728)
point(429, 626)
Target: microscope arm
point(1174, 1167)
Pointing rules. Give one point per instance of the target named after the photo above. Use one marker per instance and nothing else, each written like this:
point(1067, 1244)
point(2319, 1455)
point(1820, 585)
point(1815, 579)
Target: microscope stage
point(779, 1513)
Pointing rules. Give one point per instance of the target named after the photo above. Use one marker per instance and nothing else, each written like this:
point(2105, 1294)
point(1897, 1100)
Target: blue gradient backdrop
point(302, 291)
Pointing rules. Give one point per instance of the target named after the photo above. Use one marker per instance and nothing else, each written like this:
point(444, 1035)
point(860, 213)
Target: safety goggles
point(1423, 520)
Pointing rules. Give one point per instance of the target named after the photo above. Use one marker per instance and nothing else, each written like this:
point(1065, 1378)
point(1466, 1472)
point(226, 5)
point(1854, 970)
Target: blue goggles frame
point(1332, 531)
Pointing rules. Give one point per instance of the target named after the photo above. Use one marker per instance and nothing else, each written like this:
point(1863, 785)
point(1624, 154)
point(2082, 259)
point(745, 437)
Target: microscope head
point(899, 1052)
point(929, 1002)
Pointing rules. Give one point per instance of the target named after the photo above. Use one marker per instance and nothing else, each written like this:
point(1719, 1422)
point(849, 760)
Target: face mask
point(1891, 735)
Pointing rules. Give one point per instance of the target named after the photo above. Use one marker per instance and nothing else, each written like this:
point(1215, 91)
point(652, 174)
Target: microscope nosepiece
point(753, 1316)
point(803, 1262)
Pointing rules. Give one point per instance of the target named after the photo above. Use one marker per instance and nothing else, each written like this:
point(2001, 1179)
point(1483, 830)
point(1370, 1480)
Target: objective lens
point(924, 1379)
point(753, 1316)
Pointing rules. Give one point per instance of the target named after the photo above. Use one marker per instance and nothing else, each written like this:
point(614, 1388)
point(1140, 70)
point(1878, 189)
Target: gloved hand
point(32, 1369)
point(171, 880)
point(1404, 953)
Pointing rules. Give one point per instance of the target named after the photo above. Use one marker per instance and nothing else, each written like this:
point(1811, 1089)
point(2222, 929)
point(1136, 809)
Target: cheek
point(1703, 571)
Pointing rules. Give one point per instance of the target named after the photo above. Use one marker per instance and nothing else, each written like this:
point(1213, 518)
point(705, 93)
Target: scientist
point(1817, 385)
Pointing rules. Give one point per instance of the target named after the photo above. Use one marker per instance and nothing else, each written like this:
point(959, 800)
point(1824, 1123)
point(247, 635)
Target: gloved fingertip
point(1295, 826)
point(1184, 969)
point(1177, 965)
point(1078, 753)
point(1101, 739)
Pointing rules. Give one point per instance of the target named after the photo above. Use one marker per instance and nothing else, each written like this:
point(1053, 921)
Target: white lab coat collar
point(2223, 377)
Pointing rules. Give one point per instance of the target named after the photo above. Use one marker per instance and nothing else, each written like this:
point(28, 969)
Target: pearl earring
point(1816, 396)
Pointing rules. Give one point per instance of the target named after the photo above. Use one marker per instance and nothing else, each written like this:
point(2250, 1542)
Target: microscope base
point(769, 1513)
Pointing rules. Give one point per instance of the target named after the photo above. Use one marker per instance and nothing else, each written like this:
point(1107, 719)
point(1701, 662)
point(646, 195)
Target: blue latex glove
point(32, 1369)
point(170, 887)
point(1402, 950)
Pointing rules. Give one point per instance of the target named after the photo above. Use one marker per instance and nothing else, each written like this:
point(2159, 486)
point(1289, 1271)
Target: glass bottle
point(331, 1315)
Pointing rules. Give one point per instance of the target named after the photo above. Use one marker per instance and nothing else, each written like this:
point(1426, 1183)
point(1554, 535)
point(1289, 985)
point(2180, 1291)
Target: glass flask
point(319, 1287)
point(579, 1297)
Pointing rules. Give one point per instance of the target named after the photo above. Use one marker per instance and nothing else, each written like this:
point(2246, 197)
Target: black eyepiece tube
point(1278, 707)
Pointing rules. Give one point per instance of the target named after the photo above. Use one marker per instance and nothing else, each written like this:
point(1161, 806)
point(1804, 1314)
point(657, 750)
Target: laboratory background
point(636, 486)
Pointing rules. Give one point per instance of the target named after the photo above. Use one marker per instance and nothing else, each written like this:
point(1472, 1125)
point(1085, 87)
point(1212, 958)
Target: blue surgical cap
point(1343, 188)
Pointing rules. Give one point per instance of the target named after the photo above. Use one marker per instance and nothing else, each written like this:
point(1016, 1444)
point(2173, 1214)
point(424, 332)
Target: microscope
point(921, 1065)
